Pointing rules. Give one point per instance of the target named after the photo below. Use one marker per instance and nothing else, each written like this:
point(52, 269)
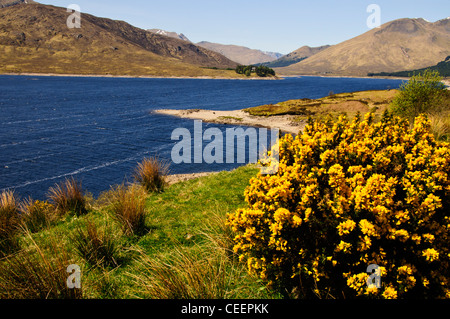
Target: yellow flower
point(367, 227)
point(346, 227)
point(343, 246)
point(390, 293)
point(430, 254)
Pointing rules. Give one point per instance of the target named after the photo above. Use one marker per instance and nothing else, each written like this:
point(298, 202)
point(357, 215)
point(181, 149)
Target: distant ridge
point(404, 44)
point(241, 54)
point(295, 56)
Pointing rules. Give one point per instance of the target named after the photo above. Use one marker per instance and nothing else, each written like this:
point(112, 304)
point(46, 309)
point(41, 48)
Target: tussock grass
point(440, 126)
point(9, 221)
point(128, 207)
point(35, 273)
point(209, 270)
point(184, 275)
point(68, 197)
point(187, 254)
point(98, 247)
point(151, 173)
point(37, 215)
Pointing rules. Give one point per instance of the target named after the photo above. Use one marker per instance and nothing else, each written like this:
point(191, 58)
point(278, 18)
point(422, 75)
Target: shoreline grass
point(184, 238)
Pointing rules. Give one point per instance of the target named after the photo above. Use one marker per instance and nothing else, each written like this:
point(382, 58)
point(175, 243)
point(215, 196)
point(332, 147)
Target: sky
point(278, 26)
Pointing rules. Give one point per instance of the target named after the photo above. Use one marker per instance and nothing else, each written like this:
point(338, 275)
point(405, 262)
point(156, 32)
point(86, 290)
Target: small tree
point(423, 93)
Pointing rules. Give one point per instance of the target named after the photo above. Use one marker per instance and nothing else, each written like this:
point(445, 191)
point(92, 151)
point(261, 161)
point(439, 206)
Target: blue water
point(98, 129)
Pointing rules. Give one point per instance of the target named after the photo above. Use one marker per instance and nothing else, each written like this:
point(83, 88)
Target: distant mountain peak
point(175, 35)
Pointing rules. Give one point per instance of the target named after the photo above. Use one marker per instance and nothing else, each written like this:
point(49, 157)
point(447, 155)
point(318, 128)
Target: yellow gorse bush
point(348, 194)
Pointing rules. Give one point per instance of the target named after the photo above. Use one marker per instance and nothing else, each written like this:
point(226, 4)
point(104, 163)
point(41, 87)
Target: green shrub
point(349, 194)
point(423, 93)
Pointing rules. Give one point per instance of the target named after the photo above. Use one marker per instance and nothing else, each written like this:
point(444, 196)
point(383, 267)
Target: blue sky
point(280, 26)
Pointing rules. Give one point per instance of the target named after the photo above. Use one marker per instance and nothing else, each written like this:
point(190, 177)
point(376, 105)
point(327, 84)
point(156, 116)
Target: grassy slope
point(181, 218)
point(351, 103)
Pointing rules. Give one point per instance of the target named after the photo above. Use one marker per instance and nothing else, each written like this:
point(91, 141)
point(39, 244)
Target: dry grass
point(191, 274)
point(182, 276)
point(127, 205)
point(36, 274)
point(98, 247)
point(37, 215)
point(209, 270)
point(351, 103)
point(9, 221)
point(68, 197)
point(151, 174)
point(440, 126)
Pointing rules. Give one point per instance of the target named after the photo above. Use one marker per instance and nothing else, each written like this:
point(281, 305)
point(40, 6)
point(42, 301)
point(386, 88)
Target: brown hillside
point(34, 38)
point(239, 54)
point(296, 56)
point(404, 44)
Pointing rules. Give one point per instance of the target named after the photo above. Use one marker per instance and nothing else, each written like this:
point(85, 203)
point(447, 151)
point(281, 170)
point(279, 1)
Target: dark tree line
point(261, 70)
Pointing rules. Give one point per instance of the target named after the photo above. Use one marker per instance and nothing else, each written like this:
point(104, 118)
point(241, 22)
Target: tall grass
point(68, 197)
point(440, 126)
point(37, 215)
point(209, 270)
point(9, 221)
point(184, 274)
point(37, 274)
point(151, 173)
point(127, 205)
point(98, 247)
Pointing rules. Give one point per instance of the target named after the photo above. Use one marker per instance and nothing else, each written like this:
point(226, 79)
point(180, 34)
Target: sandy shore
point(284, 123)
point(447, 82)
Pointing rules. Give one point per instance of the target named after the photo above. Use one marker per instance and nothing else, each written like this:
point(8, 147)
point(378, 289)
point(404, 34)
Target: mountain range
point(241, 54)
point(296, 56)
point(34, 38)
point(404, 44)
